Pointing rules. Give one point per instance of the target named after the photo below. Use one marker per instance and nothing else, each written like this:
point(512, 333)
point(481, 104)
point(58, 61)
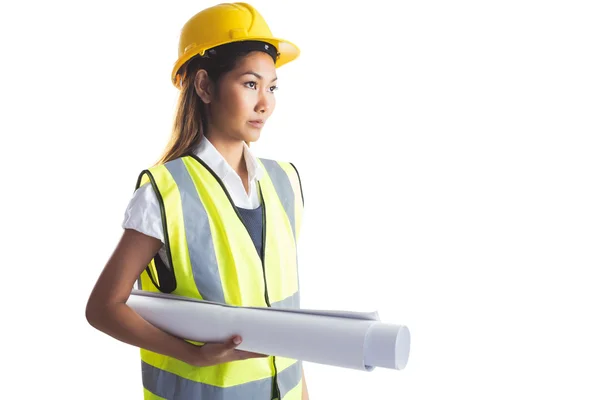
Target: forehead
point(258, 62)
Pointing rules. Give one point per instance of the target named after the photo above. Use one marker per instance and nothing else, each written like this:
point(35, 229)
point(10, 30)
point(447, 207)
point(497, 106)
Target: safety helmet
point(227, 23)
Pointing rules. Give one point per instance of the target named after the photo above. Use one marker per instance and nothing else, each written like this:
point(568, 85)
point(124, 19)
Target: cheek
point(233, 107)
point(244, 106)
point(240, 103)
point(247, 101)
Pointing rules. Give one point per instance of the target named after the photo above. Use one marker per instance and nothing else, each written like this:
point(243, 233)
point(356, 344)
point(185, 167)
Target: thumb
point(233, 342)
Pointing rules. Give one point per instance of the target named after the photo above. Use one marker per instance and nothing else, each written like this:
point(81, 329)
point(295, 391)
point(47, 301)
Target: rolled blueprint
point(338, 338)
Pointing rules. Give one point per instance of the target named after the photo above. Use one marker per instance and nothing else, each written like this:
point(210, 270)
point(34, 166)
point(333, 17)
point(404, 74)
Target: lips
point(257, 123)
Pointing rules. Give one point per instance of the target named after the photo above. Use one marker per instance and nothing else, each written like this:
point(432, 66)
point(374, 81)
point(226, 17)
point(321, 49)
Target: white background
point(449, 156)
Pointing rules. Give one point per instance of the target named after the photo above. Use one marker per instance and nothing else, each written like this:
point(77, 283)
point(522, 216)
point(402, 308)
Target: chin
point(251, 136)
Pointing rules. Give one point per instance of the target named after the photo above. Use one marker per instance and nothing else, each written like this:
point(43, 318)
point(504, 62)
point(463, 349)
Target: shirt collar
point(208, 153)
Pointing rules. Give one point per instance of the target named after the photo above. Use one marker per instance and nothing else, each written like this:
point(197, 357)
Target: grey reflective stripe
point(284, 189)
point(286, 194)
point(289, 378)
point(292, 301)
point(197, 232)
point(173, 387)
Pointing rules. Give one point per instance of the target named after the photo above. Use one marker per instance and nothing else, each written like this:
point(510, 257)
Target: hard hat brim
point(287, 50)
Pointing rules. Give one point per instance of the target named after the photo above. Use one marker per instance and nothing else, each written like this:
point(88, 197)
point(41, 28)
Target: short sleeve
point(143, 213)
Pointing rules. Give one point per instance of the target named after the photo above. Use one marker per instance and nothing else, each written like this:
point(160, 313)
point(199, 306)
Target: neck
point(231, 150)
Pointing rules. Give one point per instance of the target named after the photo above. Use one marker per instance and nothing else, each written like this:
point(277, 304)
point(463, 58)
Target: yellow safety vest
point(213, 258)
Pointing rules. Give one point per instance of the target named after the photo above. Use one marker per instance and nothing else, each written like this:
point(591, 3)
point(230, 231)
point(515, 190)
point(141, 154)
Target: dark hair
point(190, 119)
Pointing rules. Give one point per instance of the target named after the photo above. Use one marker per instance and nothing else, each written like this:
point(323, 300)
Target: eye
point(274, 88)
point(251, 82)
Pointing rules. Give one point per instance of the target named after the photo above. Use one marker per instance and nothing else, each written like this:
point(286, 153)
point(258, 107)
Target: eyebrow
point(255, 74)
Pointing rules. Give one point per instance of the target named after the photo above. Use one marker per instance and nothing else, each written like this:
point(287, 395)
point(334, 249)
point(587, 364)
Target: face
point(244, 99)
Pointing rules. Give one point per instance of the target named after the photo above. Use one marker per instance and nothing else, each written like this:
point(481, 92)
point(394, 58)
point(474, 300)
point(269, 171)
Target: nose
point(264, 103)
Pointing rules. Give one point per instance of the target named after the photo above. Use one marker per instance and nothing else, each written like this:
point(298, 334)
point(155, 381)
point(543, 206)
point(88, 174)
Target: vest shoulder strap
point(284, 173)
point(161, 274)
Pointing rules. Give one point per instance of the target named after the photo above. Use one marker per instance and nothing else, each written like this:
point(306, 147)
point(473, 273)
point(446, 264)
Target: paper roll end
point(402, 347)
point(387, 346)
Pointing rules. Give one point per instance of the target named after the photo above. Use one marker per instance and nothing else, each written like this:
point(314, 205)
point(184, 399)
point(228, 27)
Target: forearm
point(121, 322)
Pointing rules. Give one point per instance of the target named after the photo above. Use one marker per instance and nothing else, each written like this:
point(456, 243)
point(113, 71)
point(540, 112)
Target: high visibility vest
point(211, 256)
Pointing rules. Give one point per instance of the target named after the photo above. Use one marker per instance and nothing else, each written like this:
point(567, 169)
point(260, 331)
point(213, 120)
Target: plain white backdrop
point(449, 158)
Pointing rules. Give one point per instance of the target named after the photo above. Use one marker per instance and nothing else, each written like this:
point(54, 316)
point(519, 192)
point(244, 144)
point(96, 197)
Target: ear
point(203, 86)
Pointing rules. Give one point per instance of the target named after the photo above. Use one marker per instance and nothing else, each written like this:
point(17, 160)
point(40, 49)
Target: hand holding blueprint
point(344, 339)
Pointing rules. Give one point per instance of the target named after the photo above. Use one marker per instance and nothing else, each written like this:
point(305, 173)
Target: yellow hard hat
point(227, 23)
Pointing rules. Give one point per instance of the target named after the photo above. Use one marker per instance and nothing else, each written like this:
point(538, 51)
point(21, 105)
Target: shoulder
point(158, 172)
point(143, 212)
point(143, 197)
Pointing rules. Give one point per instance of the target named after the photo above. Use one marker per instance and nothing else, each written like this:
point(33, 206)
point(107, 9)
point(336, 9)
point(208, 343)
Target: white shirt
point(143, 210)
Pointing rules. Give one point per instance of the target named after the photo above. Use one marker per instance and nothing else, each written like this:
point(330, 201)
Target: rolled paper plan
point(339, 338)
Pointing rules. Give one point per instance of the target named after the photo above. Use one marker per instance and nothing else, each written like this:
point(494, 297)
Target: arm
point(106, 309)
point(108, 312)
point(304, 388)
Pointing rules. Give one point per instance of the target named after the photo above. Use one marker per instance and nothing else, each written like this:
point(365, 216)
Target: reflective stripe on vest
point(212, 257)
point(161, 384)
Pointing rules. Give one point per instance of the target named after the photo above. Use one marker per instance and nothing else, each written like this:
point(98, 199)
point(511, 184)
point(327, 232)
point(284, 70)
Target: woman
point(210, 220)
